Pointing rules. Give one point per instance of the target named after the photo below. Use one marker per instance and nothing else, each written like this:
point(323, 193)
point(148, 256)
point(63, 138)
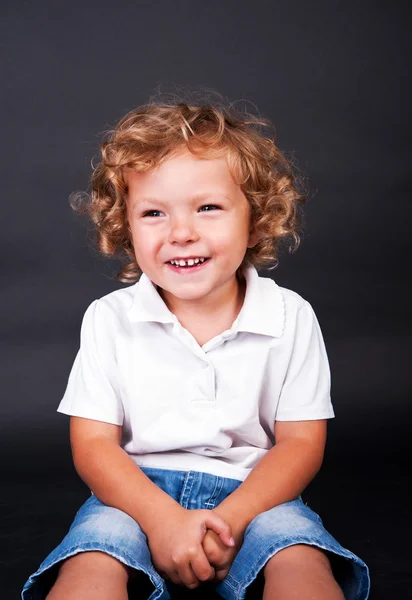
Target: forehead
point(182, 172)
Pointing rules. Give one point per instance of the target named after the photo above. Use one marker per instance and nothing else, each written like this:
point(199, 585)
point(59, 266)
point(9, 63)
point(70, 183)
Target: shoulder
point(297, 308)
point(298, 315)
point(292, 301)
point(111, 309)
point(301, 321)
point(273, 309)
point(119, 301)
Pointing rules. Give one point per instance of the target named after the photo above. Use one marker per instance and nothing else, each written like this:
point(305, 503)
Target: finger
point(174, 576)
point(212, 545)
point(221, 574)
point(201, 567)
point(187, 576)
point(219, 526)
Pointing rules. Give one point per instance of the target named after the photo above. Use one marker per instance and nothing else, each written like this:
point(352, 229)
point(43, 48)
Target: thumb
point(221, 527)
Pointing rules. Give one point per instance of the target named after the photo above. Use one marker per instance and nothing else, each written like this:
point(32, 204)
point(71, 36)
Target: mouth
point(188, 264)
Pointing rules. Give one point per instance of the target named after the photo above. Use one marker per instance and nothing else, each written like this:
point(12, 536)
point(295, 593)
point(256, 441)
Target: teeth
point(190, 262)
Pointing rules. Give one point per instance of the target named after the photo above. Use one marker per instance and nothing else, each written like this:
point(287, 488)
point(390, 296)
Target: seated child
point(200, 394)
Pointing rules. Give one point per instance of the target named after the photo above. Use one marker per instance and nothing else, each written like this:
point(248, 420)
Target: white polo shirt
point(208, 408)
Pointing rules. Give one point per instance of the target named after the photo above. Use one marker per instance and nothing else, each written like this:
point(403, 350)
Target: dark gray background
point(333, 78)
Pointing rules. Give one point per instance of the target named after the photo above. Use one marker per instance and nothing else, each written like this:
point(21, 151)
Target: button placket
point(204, 392)
point(211, 384)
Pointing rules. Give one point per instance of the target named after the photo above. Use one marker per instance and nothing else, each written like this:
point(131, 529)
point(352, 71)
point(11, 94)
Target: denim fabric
point(100, 527)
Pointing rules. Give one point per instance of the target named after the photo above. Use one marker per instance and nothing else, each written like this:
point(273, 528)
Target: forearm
point(280, 476)
point(117, 481)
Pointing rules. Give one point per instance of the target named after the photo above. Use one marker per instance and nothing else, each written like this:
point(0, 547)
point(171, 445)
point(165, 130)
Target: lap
point(108, 529)
point(100, 528)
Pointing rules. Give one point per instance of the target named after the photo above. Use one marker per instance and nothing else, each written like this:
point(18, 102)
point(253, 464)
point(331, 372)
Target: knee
point(87, 563)
point(298, 555)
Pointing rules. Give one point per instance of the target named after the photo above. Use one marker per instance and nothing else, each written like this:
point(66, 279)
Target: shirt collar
point(148, 305)
point(263, 310)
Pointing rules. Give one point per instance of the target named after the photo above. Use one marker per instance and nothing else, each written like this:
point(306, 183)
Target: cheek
point(144, 239)
point(230, 238)
point(222, 239)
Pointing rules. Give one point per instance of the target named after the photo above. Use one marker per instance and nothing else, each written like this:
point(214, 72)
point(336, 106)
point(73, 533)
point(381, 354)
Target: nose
point(183, 230)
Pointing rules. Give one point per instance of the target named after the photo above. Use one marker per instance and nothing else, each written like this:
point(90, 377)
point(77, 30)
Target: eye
point(209, 207)
point(152, 213)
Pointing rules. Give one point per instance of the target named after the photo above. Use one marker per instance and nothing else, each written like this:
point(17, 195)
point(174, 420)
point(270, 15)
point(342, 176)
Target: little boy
point(200, 394)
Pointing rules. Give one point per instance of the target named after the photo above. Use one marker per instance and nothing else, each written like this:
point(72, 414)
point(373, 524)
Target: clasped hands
point(193, 546)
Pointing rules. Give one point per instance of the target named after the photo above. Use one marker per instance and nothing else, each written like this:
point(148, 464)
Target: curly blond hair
point(152, 133)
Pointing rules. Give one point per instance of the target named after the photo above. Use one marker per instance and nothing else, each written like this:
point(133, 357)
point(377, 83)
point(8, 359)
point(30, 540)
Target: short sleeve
point(305, 393)
point(91, 389)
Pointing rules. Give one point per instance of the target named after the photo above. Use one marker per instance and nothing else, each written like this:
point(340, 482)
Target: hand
point(219, 555)
point(176, 545)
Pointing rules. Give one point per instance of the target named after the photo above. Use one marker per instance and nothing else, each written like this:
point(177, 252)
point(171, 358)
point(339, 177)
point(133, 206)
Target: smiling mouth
point(190, 262)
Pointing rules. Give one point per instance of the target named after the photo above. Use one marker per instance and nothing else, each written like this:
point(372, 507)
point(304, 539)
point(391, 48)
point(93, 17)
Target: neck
point(224, 305)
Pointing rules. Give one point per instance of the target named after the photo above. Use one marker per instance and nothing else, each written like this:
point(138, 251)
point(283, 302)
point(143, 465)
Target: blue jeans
point(106, 529)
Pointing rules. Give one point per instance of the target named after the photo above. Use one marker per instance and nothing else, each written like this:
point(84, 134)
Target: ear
point(253, 238)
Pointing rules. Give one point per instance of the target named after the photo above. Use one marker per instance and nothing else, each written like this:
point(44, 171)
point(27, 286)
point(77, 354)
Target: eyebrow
point(199, 196)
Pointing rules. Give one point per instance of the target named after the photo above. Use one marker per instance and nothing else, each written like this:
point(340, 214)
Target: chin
point(187, 295)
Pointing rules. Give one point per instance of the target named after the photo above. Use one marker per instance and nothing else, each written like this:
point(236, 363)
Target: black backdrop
point(333, 78)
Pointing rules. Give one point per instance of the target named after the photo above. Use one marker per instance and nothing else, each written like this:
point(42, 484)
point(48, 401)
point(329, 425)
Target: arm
point(280, 476)
point(285, 471)
point(93, 401)
point(112, 475)
point(117, 481)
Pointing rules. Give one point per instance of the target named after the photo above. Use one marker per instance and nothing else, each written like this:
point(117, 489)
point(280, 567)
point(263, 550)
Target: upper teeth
point(190, 262)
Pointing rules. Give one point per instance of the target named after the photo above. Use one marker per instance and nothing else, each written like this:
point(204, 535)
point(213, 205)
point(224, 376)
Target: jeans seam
point(83, 547)
point(215, 494)
point(114, 549)
point(186, 492)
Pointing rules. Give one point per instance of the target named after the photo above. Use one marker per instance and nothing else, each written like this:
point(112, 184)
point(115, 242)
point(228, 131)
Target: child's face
point(185, 210)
